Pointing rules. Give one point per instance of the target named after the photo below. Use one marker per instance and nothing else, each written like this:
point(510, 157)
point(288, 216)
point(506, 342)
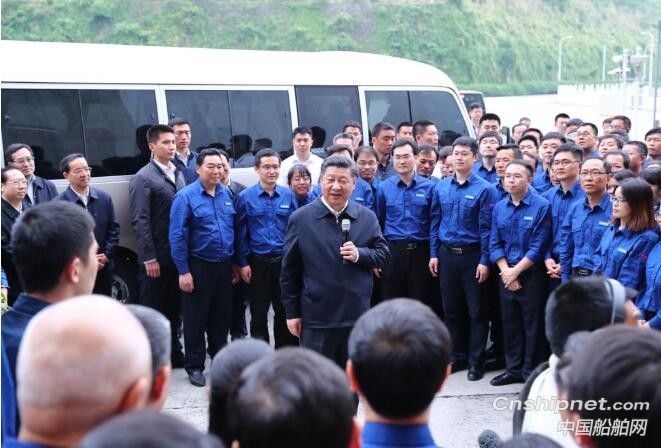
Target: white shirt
point(313, 164)
point(168, 169)
point(545, 422)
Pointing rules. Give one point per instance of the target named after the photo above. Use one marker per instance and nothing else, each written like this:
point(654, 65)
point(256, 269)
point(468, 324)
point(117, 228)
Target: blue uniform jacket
point(623, 255)
point(484, 173)
point(650, 300)
point(362, 194)
point(316, 285)
point(384, 435)
point(262, 220)
point(542, 182)
point(43, 191)
point(581, 233)
point(461, 214)
point(521, 231)
point(560, 203)
point(100, 206)
point(201, 225)
point(404, 212)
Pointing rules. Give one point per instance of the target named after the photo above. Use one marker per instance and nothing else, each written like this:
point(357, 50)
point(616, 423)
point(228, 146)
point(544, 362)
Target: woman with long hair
point(626, 244)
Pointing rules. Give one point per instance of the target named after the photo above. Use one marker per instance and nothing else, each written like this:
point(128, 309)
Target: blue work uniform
point(518, 232)
point(649, 302)
point(542, 182)
point(623, 254)
point(386, 435)
point(580, 235)
point(404, 215)
point(484, 173)
point(262, 221)
point(459, 233)
point(202, 231)
point(362, 194)
point(383, 172)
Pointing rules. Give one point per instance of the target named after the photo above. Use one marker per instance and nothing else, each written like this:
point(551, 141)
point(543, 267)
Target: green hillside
point(498, 46)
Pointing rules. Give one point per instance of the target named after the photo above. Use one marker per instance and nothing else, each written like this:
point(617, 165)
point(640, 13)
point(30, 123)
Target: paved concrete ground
point(459, 413)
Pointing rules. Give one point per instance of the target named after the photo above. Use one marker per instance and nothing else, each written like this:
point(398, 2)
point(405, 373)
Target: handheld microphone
point(346, 225)
point(489, 439)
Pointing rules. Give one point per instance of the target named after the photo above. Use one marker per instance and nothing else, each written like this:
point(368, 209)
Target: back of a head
point(530, 440)
point(580, 304)
point(147, 429)
point(158, 331)
point(619, 364)
point(293, 398)
point(399, 351)
point(46, 238)
point(77, 362)
point(226, 369)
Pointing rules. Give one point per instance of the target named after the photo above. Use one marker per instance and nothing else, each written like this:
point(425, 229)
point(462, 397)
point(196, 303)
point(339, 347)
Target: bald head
point(81, 361)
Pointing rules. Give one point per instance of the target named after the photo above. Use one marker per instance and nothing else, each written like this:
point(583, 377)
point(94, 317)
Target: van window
point(325, 110)
point(398, 106)
point(238, 121)
point(102, 124)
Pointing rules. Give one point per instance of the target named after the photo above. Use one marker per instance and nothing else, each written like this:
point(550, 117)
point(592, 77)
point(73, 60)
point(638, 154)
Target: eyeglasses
point(591, 173)
point(24, 160)
point(81, 171)
point(617, 201)
point(17, 182)
point(563, 163)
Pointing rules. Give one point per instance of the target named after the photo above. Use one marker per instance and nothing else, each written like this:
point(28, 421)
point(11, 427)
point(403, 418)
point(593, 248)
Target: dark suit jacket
point(100, 206)
point(236, 188)
point(44, 191)
point(150, 198)
point(316, 285)
point(9, 217)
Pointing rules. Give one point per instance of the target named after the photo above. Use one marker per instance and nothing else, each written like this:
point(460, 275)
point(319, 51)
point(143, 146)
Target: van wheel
point(125, 279)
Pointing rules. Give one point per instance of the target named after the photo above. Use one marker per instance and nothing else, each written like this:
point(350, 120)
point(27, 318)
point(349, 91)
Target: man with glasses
point(586, 222)
point(566, 165)
point(20, 156)
point(586, 138)
point(99, 204)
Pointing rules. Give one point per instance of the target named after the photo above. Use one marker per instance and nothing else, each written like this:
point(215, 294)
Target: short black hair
point(301, 130)
point(428, 149)
point(553, 136)
point(294, 398)
point(298, 168)
point(607, 166)
point(474, 106)
point(381, 126)
point(177, 121)
point(147, 429)
point(595, 129)
point(266, 152)
point(404, 123)
point(420, 126)
point(342, 135)
point(338, 162)
point(5, 170)
point(15, 147)
point(335, 148)
point(365, 149)
point(400, 351)
point(625, 119)
point(652, 131)
point(491, 134)
point(642, 147)
point(206, 152)
point(490, 116)
point(46, 238)
point(619, 152)
point(624, 175)
point(66, 161)
point(405, 142)
point(154, 132)
point(573, 148)
point(580, 304)
point(158, 330)
point(618, 364)
point(466, 141)
point(530, 138)
point(226, 369)
point(444, 152)
point(575, 122)
point(534, 131)
point(523, 163)
point(560, 115)
point(530, 440)
point(617, 138)
point(352, 124)
point(652, 175)
point(518, 155)
point(518, 125)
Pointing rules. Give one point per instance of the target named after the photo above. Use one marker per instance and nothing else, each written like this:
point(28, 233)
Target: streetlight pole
point(651, 49)
point(560, 56)
point(603, 59)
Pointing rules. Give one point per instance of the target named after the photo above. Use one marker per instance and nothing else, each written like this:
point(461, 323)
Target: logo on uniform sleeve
point(228, 203)
point(359, 199)
point(621, 250)
point(420, 195)
point(528, 218)
point(603, 223)
point(284, 205)
point(468, 196)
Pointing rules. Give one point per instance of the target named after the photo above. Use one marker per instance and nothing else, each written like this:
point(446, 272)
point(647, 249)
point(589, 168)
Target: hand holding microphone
point(348, 251)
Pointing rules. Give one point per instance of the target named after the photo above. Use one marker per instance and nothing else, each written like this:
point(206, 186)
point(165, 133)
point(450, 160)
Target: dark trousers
point(239, 329)
point(207, 309)
point(464, 304)
point(493, 310)
point(333, 343)
point(523, 322)
point(264, 290)
point(163, 295)
point(103, 282)
point(404, 275)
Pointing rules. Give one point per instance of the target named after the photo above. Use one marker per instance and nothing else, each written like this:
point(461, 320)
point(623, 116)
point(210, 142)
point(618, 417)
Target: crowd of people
point(504, 246)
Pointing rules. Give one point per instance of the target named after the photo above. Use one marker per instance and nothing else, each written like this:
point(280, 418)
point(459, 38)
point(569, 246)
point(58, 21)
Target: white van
point(99, 100)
